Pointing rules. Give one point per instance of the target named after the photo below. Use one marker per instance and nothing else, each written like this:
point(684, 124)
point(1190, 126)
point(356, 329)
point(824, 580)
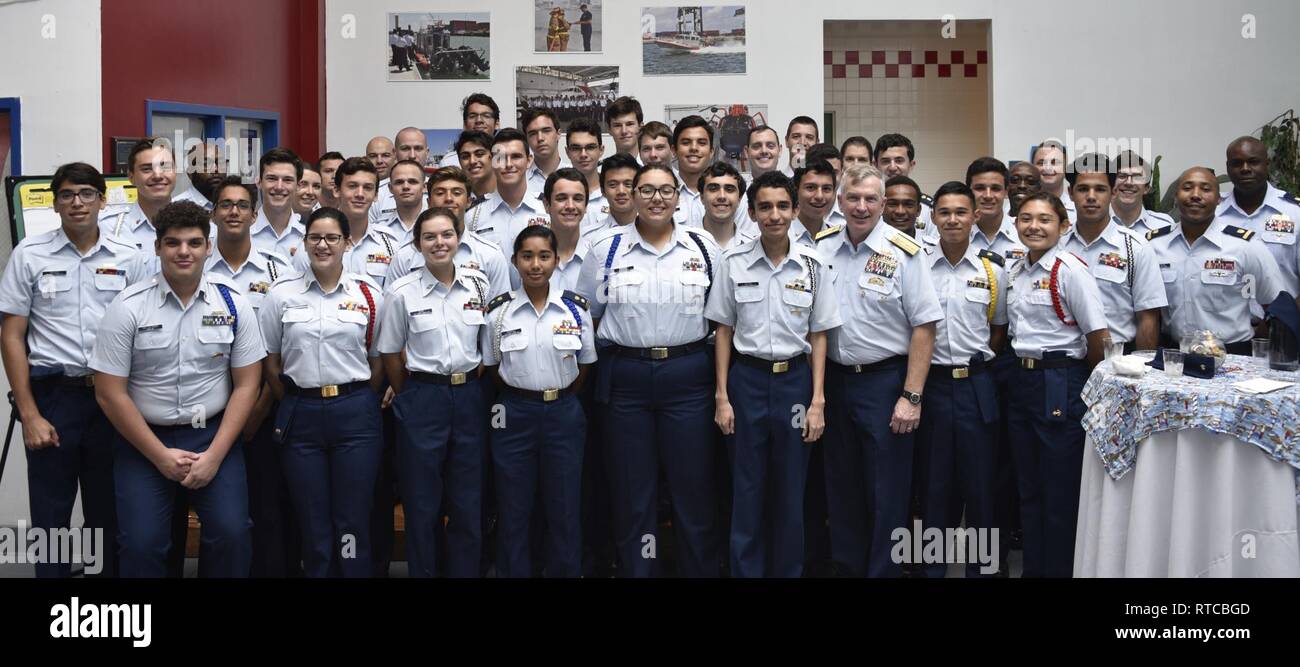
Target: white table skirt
point(1195, 504)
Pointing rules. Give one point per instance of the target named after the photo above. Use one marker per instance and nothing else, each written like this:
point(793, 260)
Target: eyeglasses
point(87, 195)
point(329, 239)
point(584, 148)
point(649, 191)
point(226, 205)
point(1136, 178)
point(480, 116)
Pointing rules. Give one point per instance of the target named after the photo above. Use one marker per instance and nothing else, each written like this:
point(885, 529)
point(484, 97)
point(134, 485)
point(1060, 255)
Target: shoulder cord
point(496, 333)
point(812, 275)
point(270, 268)
point(1128, 248)
point(609, 261)
point(708, 263)
point(573, 309)
point(370, 320)
point(993, 286)
point(1055, 288)
point(230, 303)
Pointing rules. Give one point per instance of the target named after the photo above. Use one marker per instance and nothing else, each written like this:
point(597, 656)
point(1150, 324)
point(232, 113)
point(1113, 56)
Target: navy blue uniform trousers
point(84, 457)
point(958, 456)
point(660, 413)
point(440, 444)
point(1047, 442)
point(329, 450)
point(146, 501)
point(769, 469)
point(539, 448)
point(868, 467)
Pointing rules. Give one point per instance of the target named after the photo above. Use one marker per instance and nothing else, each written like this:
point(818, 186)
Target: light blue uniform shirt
point(645, 297)
point(321, 338)
point(1127, 274)
point(884, 291)
point(1147, 221)
point(474, 254)
point(177, 358)
point(494, 220)
point(64, 294)
point(372, 256)
point(1005, 242)
point(255, 277)
point(533, 350)
point(437, 326)
point(773, 308)
point(1274, 223)
point(286, 244)
point(1212, 283)
point(965, 293)
point(1036, 326)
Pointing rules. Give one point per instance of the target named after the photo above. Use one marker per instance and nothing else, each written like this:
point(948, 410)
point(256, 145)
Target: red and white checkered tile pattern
point(904, 64)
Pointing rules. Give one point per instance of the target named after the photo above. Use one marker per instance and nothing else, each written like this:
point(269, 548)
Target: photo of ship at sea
point(693, 40)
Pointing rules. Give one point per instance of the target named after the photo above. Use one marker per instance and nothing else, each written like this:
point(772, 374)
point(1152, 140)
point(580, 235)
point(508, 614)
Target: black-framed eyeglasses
point(329, 239)
point(649, 191)
point(87, 195)
point(226, 205)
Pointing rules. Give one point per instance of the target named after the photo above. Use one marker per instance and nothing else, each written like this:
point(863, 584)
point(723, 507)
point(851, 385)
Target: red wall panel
point(253, 54)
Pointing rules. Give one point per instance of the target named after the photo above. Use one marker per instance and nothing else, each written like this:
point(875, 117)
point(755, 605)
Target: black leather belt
point(773, 367)
point(68, 381)
point(327, 391)
point(1032, 364)
point(958, 372)
point(545, 396)
point(858, 369)
point(455, 379)
point(660, 353)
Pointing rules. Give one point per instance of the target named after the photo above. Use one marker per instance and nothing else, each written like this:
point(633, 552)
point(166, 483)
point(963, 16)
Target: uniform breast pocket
point(350, 329)
point(153, 349)
point(514, 352)
point(625, 287)
point(426, 336)
point(979, 295)
point(797, 298)
point(297, 332)
point(473, 317)
point(1222, 289)
point(110, 282)
point(53, 290)
point(377, 269)
point(750, 293)
point(877, 285)
point(217, 340)
point(694, 285)
point(1168, 275)
point(1109, 274)
point(1040, 297)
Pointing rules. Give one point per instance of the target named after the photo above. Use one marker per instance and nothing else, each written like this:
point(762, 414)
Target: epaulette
point(828, 232)
point(906, 243)
point(576, 298)
point(993, 257)
point(1239, 232)
point(500, 300)
point(927, 200)
point(405, 280)
point(137, 288)
point(1290, 198)
point(1157, 233)
point(364, 278)
point(218, 279)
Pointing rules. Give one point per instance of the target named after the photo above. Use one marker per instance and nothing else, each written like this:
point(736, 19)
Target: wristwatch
point(912, 397)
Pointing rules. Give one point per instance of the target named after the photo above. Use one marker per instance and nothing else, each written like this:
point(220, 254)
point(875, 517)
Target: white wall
point(51, 55)
point(1177, 72)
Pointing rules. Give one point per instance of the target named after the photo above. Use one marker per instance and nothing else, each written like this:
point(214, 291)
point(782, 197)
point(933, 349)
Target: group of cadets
point(536, 346)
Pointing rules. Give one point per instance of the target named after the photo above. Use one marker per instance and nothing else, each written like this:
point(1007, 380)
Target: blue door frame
point(214, 118)
point(14, 107)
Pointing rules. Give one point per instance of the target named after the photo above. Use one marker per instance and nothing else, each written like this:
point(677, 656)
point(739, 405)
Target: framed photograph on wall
point(693, 40)
point(568, 26)
point(438, 46)
point(571, 92)
point(731, 124)
point(440, 141)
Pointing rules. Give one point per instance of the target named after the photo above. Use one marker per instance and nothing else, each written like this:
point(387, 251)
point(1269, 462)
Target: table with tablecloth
point(1188, 477)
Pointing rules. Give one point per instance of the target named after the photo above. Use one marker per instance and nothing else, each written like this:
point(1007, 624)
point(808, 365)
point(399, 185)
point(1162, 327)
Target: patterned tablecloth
point(1122, 411)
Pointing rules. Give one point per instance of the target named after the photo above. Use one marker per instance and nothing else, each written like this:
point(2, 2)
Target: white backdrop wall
point(1176, 72)
point(51, 55)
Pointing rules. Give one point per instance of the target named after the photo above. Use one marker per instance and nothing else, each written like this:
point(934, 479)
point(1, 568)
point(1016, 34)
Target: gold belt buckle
point(857, 369)
point(89, 380)
point(1028, 362)
point(658, 353)
point(329, 391)
point(780, 366)
point(549, 395)
point(458, 378)
point(961, 373)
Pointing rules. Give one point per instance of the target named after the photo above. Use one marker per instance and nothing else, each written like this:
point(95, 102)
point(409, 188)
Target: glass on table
point(1173, 362)
point(1114, 350)
point(1259, 348)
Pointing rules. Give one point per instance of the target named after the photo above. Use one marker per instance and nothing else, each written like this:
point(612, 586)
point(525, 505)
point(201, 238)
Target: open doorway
point(927, 80)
